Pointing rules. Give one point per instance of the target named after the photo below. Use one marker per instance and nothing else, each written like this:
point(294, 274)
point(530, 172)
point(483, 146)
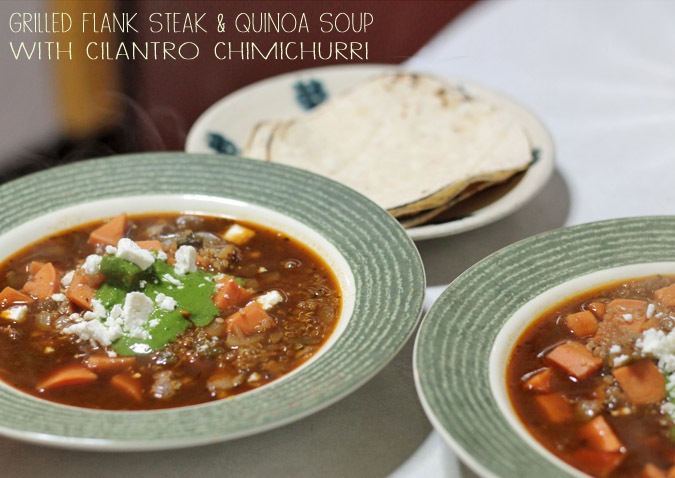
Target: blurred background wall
point(29, 114)
point(56, 111)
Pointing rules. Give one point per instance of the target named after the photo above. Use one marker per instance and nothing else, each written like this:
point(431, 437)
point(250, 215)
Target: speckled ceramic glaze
point(459, 344)
point(388, 289)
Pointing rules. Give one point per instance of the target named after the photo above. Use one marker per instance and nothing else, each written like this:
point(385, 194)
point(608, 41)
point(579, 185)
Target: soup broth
point(160, 311)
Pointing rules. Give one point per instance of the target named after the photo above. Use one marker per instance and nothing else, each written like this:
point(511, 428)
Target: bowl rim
point(515, 275)
point(348, 221)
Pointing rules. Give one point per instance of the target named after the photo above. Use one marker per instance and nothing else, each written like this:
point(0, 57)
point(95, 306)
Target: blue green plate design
point(226, 125)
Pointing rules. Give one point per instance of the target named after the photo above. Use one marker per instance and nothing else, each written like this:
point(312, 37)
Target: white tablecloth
point(601, 75)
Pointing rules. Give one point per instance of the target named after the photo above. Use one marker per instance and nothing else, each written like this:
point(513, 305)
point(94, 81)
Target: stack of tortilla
point(412, 143)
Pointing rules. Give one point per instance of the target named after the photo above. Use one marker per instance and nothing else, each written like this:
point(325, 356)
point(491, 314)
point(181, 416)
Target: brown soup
point(160, 311)
point(588, 379)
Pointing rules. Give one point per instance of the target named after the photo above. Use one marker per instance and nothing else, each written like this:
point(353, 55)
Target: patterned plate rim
point(531, 183)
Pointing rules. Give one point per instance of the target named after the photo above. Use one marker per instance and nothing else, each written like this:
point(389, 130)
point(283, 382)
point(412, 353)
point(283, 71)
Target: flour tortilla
point(411, 143)
point(259, 138)
point(423, 217)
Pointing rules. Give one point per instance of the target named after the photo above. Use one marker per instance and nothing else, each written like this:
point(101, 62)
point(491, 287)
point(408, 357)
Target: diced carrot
point(68, 375)
point(596, 463)
point(540, 381)
point(575, 359)
point(44, 284)
point(628, 304)
point(230, 294)
point(582, 323)
point(150, 245)
point(554, 407)
point(103, 363)
point(637, 308)
point(10, 297)
point(249, 320)
point(641, 325)
point(598, 308)
point(83, 288)
point(671, 472)
point(128, 385)
point(34, 267)
point(642, 382)
point(666, 295)
point(650, 470)
point(109, 233)
point(600, 436)
point(199, 260)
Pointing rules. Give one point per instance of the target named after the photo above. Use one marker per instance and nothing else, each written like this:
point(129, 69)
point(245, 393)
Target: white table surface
point(601, 75)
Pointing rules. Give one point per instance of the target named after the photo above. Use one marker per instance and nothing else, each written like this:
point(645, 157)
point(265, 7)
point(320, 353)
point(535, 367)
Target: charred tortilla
point(412, 143)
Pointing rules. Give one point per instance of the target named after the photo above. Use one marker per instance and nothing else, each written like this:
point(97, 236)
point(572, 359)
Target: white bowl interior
point(63, 219)
point(523, 317)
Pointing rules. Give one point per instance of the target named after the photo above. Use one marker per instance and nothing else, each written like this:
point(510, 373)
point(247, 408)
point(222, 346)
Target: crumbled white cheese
point(90, 316)
point(58, 297)
point(130, 318)
point(670, 385)
point(140, 348)
point(92, 264)
point(667, 408)
point(16, 313)
point(186, 257)
point(67, 279)
point(269, 300)
point(94, 330)
point(627, 317)
point(615, 349)
point(142, 284)
point(98, 308)
point(660, 345)
point(132, 252)
point(161, 255)
point(136, 311)
point(116, 312)
point(165, 302)
point(620, 360)
point(139, 333)
point(171, 279)
point(110, 249)
point(238, 234)
point(650, 310)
